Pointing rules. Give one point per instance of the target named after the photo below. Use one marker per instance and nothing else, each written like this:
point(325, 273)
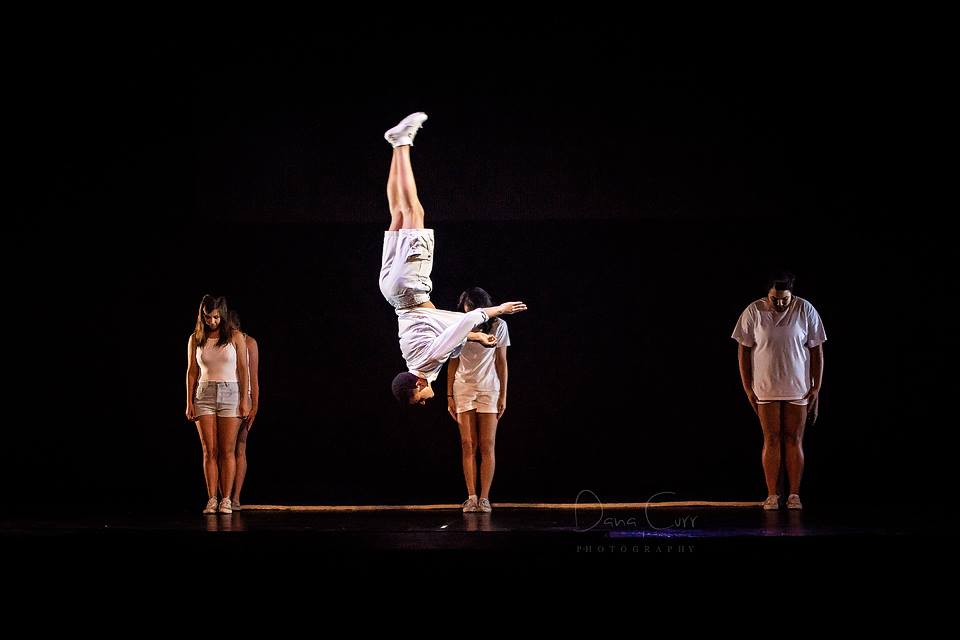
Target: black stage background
point(634, 186)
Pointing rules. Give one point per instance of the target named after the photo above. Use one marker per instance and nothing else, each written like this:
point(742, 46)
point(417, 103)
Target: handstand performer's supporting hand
point(485, 339)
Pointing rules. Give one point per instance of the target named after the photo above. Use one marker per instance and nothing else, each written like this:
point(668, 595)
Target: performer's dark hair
point(477, 298)
point(404, 386)
point(781, 281)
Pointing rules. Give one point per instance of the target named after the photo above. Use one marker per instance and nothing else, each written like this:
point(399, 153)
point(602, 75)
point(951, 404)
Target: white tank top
point(217, 364)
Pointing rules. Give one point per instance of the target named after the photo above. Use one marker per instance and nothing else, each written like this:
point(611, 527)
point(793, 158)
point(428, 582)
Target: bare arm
point(254, 351)
point(505, 309)
point(485, 339)
point(454, 364)
point(746, 374)
point(193, 372)
point(503, 374)
point(816, 379)
point(243, 371)
point(816, 366)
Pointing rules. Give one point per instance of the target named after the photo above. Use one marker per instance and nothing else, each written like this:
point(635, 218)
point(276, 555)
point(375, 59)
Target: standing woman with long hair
point(477, 399)
point(780, 352)
point(253, 364)
point(217, 355)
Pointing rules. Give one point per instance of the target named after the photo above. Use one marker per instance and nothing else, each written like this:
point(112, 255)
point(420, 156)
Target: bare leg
point(396, 217)
point(488, 441)
point(207, 429)
point(782, 476)
point(794, 419)
point(405, 209)
point(227, 429)
point(241, 462)
point(770, 423)
point(468, 448)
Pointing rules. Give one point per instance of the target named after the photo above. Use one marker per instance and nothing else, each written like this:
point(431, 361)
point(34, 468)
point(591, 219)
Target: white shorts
point(482, 401)
point(406, 266)
point(801, 402)
point(214, 398)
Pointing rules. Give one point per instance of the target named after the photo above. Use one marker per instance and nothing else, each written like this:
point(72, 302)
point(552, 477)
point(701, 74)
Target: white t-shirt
point(428, 337)
point(477, 370)
point(779, 347)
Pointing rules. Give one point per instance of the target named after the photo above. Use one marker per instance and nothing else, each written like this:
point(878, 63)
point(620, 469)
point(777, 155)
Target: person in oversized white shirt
point(781, 367)
point(428, 336)
point(477, 399)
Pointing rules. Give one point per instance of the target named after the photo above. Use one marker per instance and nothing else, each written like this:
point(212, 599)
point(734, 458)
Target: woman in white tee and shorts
point(477, 399)
point(781, 367)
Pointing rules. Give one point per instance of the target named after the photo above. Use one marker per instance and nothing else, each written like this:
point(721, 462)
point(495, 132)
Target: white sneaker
point(403, 133)
point(772, 503)
point(793, 502)
point(211, 505)
point(236, 506)
point(225, 506)
point(484, 506)
point(470, 505)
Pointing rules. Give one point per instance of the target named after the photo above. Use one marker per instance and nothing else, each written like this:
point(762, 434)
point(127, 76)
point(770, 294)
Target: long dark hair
point(201, 331)
point(477, 298)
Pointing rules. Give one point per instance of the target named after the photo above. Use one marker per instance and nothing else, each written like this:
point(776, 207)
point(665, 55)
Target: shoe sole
point(411, 119)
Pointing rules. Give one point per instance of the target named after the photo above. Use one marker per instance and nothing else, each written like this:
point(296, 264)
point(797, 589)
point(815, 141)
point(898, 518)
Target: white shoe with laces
point(225, 506)
point(406, 130)
point(793, 502)
point(211, 505)
point(772, 503)
point(484, 506)
point(470, 505)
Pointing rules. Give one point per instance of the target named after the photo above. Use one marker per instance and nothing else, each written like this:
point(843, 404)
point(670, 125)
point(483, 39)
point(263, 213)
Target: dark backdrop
point(633, 185)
